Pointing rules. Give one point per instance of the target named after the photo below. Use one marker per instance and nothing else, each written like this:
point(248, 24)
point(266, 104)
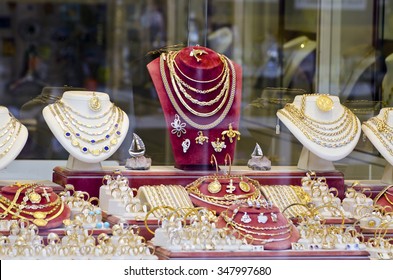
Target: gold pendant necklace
point(95, 103)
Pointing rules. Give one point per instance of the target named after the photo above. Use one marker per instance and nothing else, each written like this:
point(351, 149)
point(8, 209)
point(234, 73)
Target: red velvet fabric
point(9, 192)
point(209, 67)
point(262, 237)
point(385, 199)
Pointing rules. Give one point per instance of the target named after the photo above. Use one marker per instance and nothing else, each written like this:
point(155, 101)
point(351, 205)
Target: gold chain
point(180, 111)
point(69, 108)
point(380, 137)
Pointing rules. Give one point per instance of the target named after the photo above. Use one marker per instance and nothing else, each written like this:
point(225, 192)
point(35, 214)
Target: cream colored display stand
point(314, 156)
point(387, 176)
point(13, 138)
point(79, 102)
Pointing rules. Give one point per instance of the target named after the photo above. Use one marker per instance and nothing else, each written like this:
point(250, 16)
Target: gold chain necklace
point(200, 81)
point(316, 131)
point(12, 142)
point(71, 121)
point(380, 136)
point(74, 121)
point(84, 116)
point(76, 136)
point(171, 61)
point(223, 93)
point(180, 111)
point(10, 132)
point(177, 86)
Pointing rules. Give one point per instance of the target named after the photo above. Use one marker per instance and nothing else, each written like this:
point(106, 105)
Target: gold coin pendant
point(214, 187)
point(245, 187)
point(324, 103)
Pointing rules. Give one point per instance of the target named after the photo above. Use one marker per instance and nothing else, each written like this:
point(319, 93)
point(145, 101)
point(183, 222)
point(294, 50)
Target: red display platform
point(55, 187)
point(90, 181)
point(164, 254)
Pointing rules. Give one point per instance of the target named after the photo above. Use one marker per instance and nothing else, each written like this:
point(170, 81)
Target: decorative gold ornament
point(230, 133)
point(324, 103)
point(218, 145)
point(200, 139)
point(34, 197)
point(244, 186)
point(197, 52)
point(214, 187)
point(95, 103)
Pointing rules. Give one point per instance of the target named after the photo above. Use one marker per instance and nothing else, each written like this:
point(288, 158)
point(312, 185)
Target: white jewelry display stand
point(314, 156)
point(79, 102)
point(387, 176)
point(295, 51)
point(16, 142)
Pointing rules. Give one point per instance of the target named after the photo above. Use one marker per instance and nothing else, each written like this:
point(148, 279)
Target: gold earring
point(215, 186)
point(94, 103)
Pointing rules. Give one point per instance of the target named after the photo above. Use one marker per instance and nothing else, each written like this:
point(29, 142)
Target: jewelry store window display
point(200, 94)
point(327, 130)
point(88, 125)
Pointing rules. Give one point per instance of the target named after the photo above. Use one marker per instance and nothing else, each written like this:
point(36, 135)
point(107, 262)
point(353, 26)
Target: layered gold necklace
point(10, 131)
point(83, 134)
point(225, 96)
point(329, 134)
point(382, 130)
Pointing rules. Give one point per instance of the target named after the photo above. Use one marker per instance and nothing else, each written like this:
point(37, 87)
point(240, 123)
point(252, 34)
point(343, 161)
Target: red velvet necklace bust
point(200, 94)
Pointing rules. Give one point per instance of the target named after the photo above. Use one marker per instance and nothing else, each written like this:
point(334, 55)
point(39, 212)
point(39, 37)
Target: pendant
point(218, 145)
point(230, 188)
point(186, 145)
point(200, 139)
point(245, 187)
point(262, 219)
point(246, 218)
point(39, 215)
point(195, 52)
point(34, 197)
point(274, 217)
point(178, 126)
point(324, 103)
point(94, 103)
point(230, 133)
point(40, 222)
point(214, 187)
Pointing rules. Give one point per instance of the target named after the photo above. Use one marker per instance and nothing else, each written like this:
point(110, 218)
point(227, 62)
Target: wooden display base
point(164, 254)
point(91, 181)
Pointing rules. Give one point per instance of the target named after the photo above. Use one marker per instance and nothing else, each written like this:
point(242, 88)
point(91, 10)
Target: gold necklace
point(171, 61)
point(41, 222)
point(223, 93)
point(380, 137)
point(70, 122)
point(10, 133)
point(180, 111)
point(201, 81)
point(74, 121)
point(75, 136)
point(84, 116)
point(12, 142)
point(323, 139)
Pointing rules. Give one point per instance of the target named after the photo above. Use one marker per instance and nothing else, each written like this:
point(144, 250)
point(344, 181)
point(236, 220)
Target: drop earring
point(215, 186)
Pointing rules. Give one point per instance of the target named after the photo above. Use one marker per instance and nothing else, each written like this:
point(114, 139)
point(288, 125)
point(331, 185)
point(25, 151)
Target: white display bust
point(383, 146)
point(13, 137)
point(325, 152)
point(87, 122)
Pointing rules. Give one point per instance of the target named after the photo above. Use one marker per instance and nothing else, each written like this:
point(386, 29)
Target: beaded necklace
point(75, 135)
